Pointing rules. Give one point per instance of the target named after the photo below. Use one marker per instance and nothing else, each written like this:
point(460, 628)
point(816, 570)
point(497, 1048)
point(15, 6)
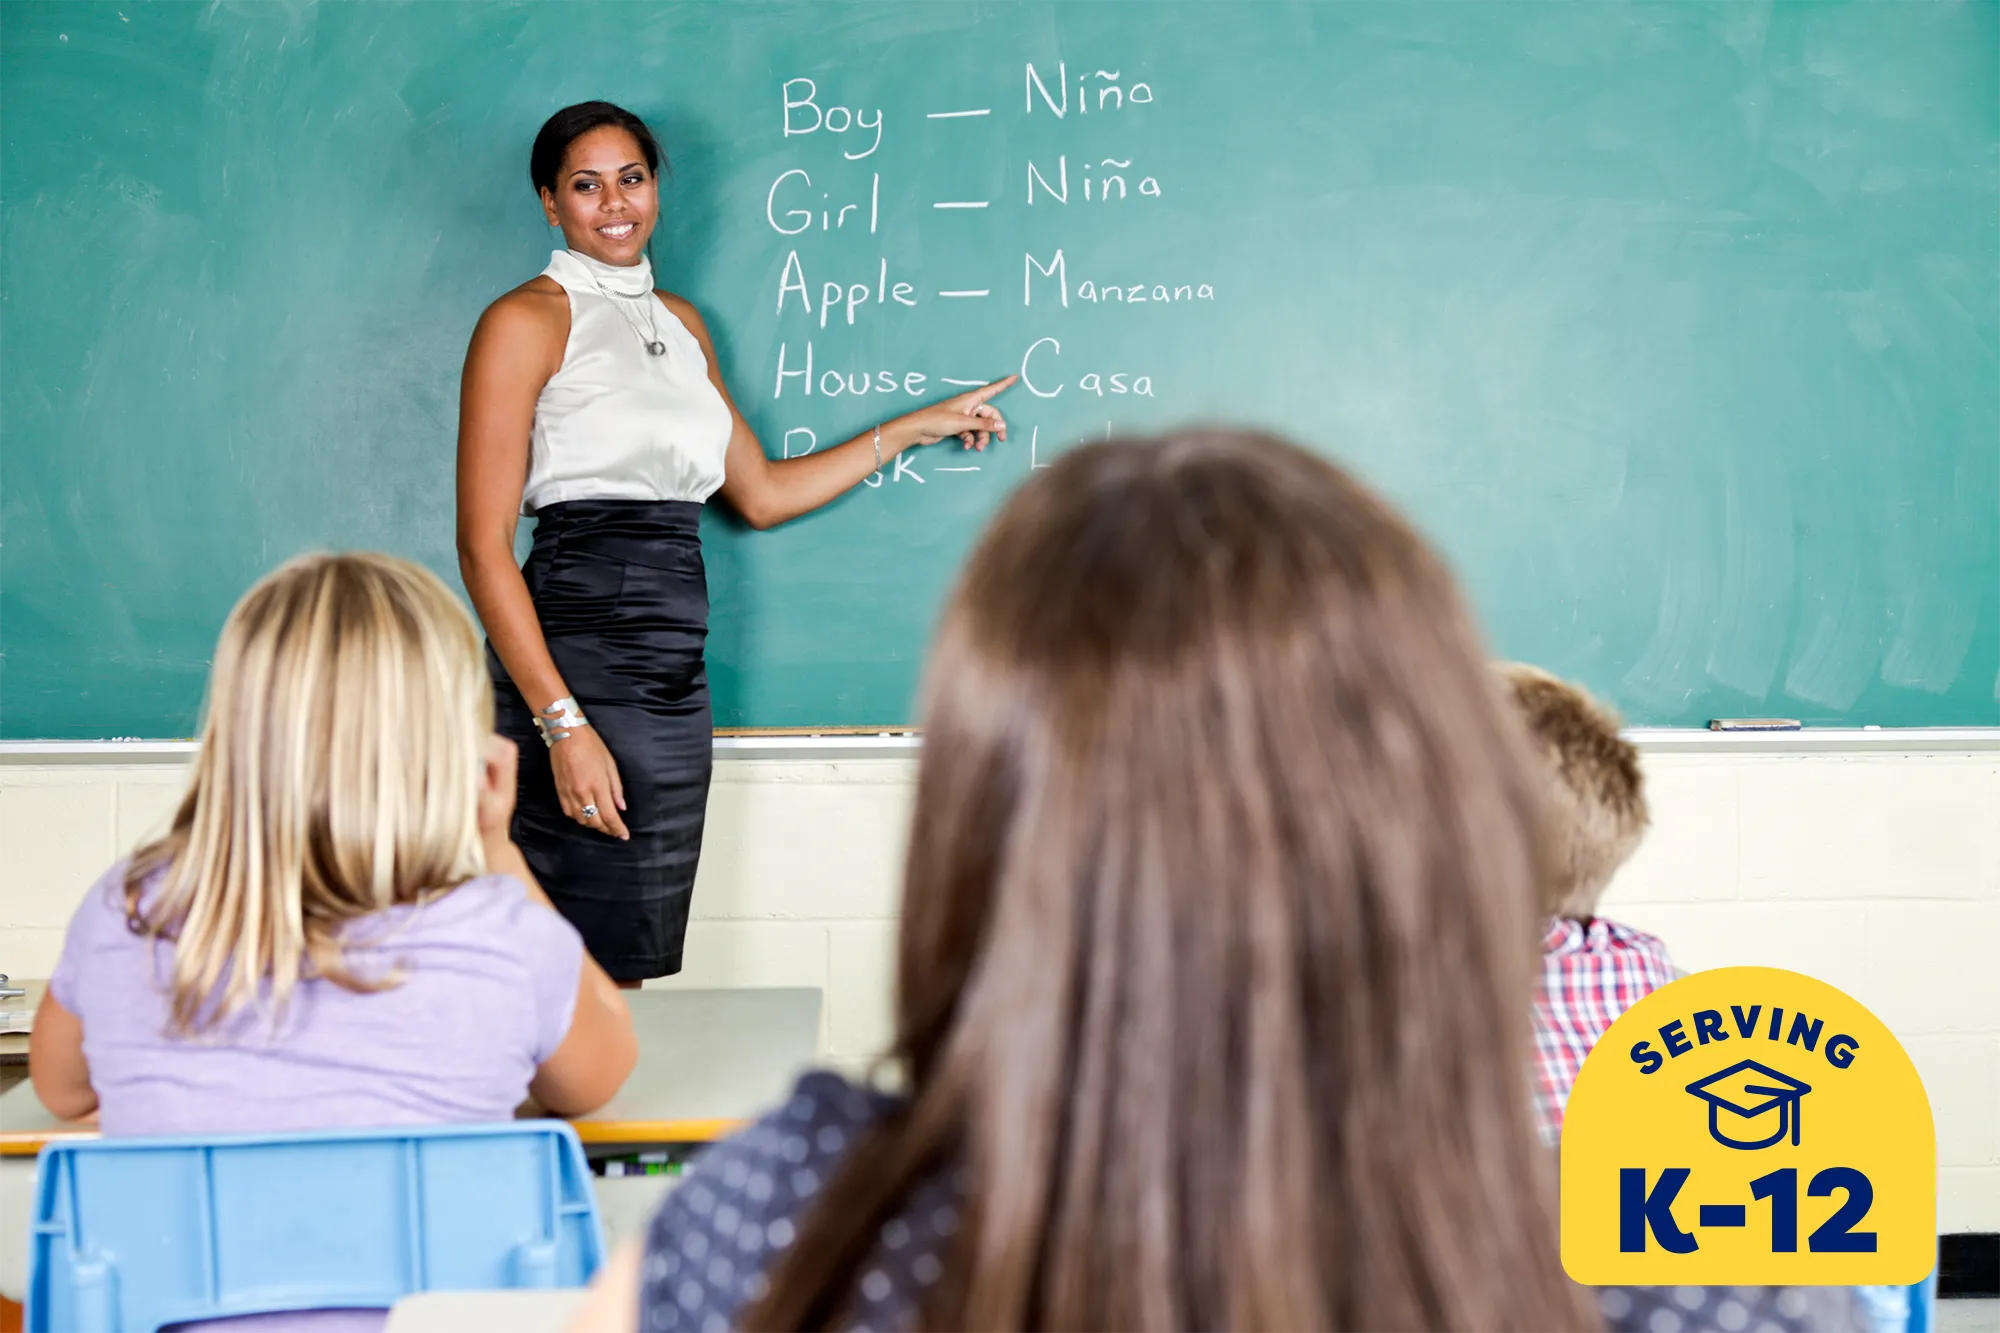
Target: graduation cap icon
point(1740, 1096)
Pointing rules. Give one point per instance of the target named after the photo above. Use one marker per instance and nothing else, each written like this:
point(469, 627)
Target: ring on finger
point(589, 812)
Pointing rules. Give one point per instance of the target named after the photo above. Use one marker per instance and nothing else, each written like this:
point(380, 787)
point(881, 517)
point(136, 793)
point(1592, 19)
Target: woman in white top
point(594, 403)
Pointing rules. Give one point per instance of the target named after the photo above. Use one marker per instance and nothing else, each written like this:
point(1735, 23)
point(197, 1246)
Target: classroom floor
point(1968, 1316)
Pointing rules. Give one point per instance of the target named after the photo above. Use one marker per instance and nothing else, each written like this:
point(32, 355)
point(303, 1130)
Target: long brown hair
point(1218, 919)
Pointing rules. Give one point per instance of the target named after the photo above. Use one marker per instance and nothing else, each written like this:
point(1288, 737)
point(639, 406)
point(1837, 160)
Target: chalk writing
point(1109, 184)
point(801, 96)
point(1138, 293)
point(825, 291)
point(831, 217)
point(833, 295)
point(1110, 94)
point(1120, 383)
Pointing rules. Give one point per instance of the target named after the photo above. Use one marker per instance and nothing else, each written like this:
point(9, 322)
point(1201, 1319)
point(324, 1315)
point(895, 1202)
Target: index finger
point(993, 390)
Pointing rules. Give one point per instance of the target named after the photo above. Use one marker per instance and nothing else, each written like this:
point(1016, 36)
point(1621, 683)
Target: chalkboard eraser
point(1754, 724)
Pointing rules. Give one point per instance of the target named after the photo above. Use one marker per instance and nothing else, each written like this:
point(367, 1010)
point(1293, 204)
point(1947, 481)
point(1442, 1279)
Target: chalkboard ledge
point(1817, 740)
point(844, 743)
point(853, 743)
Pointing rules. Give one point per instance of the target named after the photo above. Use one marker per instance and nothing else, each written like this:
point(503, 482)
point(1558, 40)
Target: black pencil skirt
point(622, 596)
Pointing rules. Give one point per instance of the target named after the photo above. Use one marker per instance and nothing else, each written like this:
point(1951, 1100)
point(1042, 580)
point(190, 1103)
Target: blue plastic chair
point(1923, 1305)
point(132, 1234)
point(1906, 1309)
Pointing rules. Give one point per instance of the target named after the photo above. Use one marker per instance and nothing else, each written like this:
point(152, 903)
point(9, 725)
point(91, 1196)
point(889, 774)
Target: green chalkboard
point(1674, 324)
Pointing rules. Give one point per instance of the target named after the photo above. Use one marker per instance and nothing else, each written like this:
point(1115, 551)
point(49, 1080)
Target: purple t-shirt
point(488, 987)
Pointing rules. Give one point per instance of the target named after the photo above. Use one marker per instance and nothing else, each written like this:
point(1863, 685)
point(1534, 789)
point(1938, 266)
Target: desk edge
point(28, 1143)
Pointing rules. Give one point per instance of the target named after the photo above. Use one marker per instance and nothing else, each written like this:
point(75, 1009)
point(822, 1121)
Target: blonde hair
point(1596, 800)
point(339, 775)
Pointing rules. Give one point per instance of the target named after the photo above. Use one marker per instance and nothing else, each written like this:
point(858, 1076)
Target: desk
point(14, 1045)
point(708, 1059)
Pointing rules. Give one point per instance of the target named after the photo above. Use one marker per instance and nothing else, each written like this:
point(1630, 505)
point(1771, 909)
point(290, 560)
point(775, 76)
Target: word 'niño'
point(1709, 1026)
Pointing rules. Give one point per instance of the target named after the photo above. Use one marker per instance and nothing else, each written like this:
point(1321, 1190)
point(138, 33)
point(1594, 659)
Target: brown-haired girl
point(1212, 999)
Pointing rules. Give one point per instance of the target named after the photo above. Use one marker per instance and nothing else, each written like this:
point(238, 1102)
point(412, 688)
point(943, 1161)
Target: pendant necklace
point(649, 337)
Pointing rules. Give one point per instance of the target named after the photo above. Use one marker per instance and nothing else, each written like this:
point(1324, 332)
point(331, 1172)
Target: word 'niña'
point(1148, 185)
point(1709, 1026)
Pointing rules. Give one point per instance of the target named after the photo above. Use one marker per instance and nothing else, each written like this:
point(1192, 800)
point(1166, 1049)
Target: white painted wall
point(1877, 872)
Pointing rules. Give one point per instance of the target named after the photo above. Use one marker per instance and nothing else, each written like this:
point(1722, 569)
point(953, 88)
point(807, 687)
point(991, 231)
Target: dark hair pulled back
point(571, 123)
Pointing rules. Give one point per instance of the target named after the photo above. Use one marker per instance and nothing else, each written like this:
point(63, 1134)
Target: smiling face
point(605, 199)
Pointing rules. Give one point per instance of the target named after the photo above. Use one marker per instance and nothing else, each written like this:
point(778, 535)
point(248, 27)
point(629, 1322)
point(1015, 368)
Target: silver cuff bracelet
point(559, 719)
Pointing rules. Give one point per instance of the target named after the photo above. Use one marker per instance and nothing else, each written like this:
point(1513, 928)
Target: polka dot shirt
point(1731, 1310)
point(739, 1207)
point(718, 1234)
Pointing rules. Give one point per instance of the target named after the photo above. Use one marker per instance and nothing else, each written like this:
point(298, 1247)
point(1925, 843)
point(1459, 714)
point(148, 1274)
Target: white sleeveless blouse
point(616, 422)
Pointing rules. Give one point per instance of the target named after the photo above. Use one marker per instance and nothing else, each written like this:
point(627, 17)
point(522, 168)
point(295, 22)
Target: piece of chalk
point(1754, 724)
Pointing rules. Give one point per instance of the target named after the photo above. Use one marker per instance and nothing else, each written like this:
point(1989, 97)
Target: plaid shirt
point(1592, 971)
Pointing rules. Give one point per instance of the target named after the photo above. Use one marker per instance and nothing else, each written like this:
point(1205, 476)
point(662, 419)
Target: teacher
point(596, 404)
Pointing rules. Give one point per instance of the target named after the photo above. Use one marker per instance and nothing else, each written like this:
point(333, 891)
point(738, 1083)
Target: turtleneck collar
point(610, 279)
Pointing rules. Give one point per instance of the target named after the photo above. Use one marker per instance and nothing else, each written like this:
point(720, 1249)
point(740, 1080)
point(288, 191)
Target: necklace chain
point(652, 344)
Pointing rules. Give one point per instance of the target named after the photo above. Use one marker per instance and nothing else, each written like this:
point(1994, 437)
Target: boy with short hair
point(1593, 970)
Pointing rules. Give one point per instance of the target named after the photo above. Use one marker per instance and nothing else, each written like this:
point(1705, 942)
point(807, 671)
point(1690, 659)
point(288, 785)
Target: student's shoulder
point(1618, 935)
point(101, 940)
point(109, 903)
point(1603, 945)
point(822, 1100)
point(807, 1134)
point(744, 1198)
point(498, 912)
point(498, 902)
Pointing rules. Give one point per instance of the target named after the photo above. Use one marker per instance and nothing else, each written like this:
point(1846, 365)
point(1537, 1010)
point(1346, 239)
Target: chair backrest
point(1923, 1305)
point(132, 1234)
point(485, 1311)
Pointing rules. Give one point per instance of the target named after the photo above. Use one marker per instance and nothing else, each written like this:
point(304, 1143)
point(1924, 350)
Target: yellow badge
point(1748, 1126)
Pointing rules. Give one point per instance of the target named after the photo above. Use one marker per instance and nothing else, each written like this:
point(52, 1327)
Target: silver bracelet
point(559, 719)
point(878, 448)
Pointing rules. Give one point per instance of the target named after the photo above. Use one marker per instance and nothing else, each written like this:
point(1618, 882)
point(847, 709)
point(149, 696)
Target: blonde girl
point(336, 930)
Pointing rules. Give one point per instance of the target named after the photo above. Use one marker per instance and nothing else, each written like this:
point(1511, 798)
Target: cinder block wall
point(1879, 873)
